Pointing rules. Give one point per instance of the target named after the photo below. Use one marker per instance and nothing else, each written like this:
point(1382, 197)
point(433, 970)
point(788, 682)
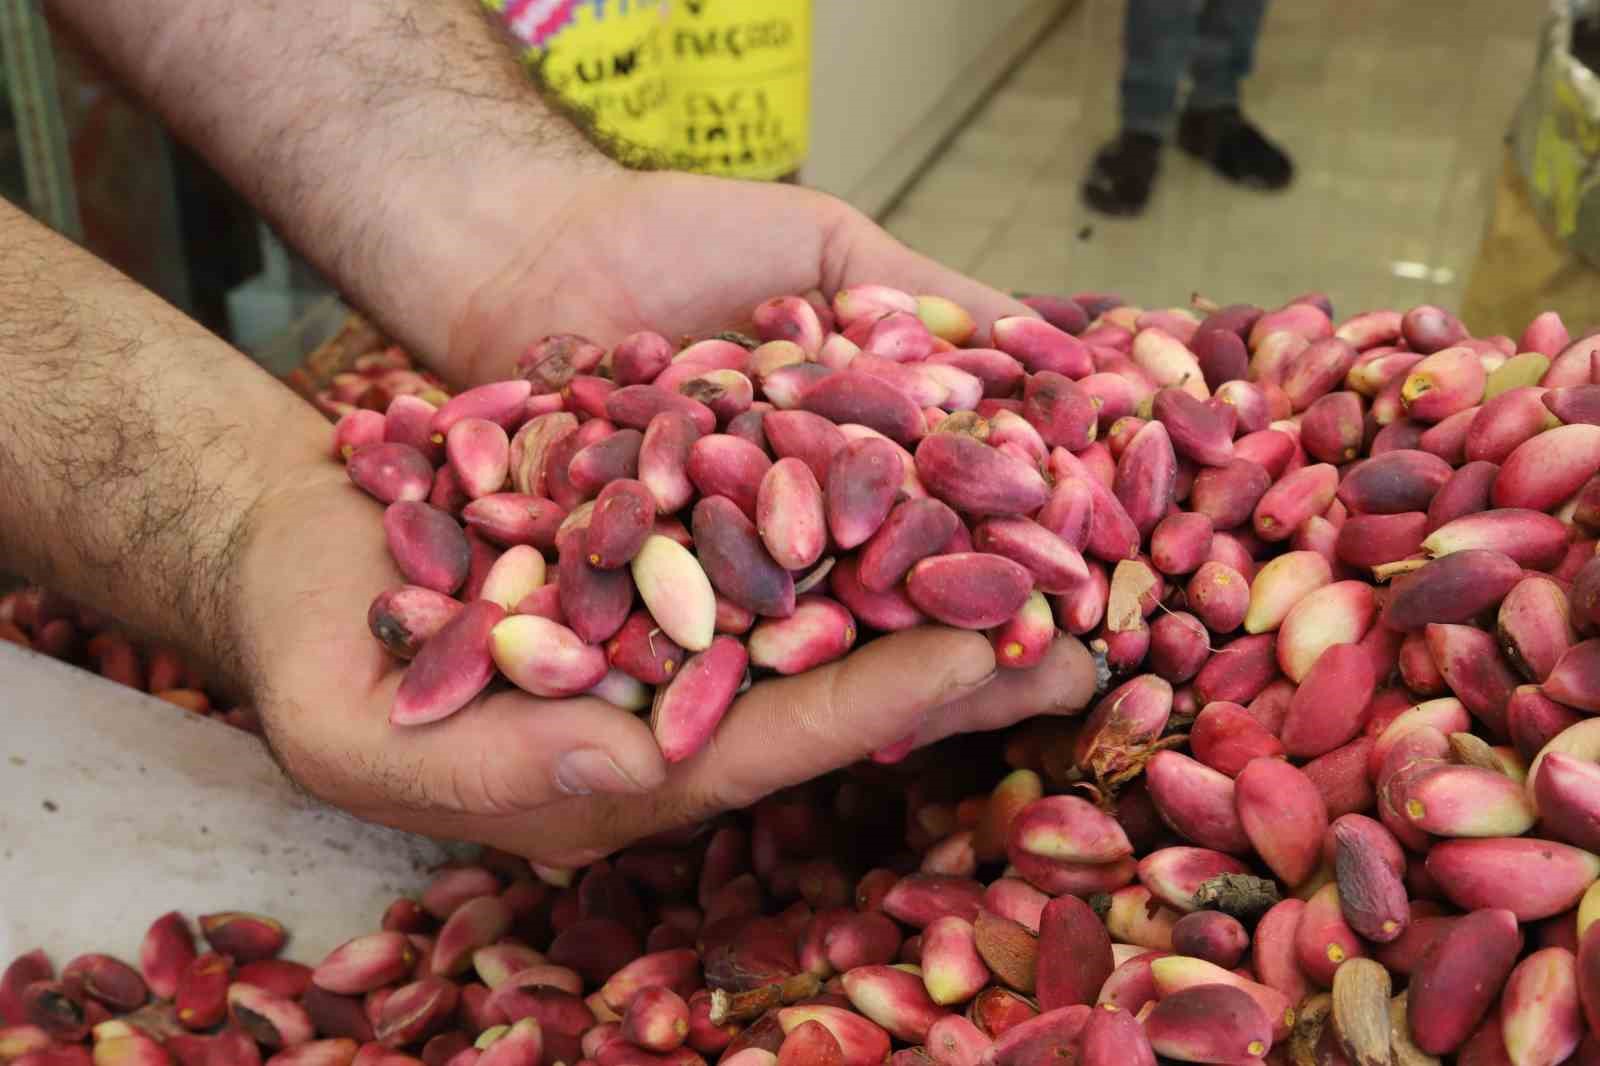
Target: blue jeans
point(1212, 41)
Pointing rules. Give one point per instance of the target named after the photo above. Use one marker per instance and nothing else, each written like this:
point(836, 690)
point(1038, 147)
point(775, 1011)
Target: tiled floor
point(1394, 114)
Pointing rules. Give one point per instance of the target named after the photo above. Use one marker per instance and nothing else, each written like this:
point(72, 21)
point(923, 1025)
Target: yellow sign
point(606, 56)
point(718, 86)
point(740, 85)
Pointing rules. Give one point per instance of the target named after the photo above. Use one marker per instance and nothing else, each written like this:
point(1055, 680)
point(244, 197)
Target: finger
point(784, 732)
point(1063, 683)
point(502, 754)
point(510, 753)
point(879, 257)
point(499, 770)
point(798, 728)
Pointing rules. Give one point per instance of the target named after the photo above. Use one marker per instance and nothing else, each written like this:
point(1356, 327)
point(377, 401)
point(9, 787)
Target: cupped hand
point(566, 781)
point(683, 255)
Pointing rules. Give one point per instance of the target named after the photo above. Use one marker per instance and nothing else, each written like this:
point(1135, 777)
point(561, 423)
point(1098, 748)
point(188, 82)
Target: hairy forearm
point(393, 142)
point(134, 446)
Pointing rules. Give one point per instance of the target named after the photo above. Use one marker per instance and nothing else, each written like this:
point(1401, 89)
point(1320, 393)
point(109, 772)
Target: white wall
point(891, 78)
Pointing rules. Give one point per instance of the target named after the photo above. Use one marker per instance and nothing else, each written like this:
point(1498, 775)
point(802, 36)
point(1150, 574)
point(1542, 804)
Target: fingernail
point(590, 770)
point(577, 860)
point(895, 752)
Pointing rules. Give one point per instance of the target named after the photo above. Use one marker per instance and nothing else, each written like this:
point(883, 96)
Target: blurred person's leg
point(1213, 126)
point(1157, 38)
point(1158, 43)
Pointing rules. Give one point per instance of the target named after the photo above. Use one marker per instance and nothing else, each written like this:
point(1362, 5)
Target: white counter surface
point(116, 808)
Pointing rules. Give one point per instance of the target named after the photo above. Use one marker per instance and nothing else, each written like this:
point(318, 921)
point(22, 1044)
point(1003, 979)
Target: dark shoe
point(1234, 148)
point(1120, 178)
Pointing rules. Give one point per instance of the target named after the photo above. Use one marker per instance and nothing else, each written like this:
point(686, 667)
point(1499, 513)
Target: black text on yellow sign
point(741, 85)
point(719, 86)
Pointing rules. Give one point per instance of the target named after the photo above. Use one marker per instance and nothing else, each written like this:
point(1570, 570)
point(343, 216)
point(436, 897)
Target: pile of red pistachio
point(53, 625)
point(1338, 802)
